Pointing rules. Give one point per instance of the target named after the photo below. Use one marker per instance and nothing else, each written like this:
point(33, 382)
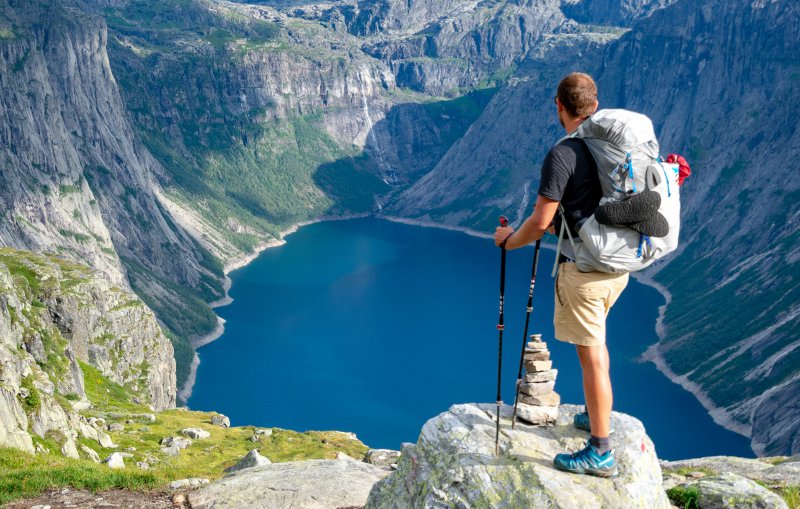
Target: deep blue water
point(374, 327)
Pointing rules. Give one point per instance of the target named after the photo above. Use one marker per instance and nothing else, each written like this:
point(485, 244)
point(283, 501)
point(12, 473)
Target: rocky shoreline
point(653, 354)
point(235, 263)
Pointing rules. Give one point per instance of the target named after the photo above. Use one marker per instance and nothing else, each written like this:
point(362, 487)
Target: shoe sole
point(596, 473)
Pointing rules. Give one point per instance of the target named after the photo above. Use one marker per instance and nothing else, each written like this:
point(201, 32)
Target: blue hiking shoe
point(587, 461)
point(581, 421)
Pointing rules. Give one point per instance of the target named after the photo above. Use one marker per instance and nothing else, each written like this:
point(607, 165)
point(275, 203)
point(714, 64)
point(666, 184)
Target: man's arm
point(532, 229)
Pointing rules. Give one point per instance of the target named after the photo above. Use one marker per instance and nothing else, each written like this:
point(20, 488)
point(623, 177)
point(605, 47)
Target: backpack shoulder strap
point(563, 228)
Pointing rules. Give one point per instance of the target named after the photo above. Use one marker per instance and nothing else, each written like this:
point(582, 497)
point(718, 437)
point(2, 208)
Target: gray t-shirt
point(569, 175)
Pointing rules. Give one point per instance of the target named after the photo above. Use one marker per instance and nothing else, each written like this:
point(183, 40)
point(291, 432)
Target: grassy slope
point(23, 475)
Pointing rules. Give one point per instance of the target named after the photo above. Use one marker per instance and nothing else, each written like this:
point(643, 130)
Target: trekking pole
point(500, 326)
point(525, 333)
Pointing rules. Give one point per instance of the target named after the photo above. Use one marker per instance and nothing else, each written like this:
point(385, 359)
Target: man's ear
point(596, 104)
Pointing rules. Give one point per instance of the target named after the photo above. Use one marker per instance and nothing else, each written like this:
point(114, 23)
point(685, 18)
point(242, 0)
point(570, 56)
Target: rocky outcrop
point(731, 491)
point(453, 465)
point(611, 12)
point(250, 460)
point(772, 471)
point(313, 484)
point(55, 314)
point(446, 47)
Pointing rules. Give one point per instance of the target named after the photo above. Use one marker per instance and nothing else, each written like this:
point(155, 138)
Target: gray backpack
point(626, 151)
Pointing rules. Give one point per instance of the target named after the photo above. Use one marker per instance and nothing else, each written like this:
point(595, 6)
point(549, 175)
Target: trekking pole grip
point(504, 224)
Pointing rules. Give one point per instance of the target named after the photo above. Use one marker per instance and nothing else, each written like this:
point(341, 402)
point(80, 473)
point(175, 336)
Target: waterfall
point(388, 174)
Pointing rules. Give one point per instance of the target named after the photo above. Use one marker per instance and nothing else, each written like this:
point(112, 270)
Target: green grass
point(684, 497)
point(68, 189)
point(792, 496)
point(23, 475)
point(33, 401)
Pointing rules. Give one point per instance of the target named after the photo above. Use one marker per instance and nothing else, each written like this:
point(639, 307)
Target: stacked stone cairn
point(538, 402)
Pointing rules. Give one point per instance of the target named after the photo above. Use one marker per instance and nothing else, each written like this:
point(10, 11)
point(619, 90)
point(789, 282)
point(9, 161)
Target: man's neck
point(570, 124)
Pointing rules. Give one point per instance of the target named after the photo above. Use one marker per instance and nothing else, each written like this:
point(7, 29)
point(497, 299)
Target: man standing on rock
point(583, 299)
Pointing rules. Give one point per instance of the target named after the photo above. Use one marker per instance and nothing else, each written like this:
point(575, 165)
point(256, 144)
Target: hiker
point(582, 299)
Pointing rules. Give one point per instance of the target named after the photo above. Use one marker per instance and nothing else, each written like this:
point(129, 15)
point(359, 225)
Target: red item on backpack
point(685, 169)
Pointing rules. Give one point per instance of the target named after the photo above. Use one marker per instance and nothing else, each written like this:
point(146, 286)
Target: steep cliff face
point(444, 48)
point(732, 326)
point(76, 180)
point(716, 80)
point(611, 12)
point(55, 314)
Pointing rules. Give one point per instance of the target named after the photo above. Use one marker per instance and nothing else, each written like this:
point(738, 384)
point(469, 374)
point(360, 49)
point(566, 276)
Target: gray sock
point(602, 444)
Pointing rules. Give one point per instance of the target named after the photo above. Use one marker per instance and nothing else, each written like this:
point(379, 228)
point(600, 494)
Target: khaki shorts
point(583, 300)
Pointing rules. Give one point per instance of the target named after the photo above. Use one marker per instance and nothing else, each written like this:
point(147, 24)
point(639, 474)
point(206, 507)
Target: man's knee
point(594, 358)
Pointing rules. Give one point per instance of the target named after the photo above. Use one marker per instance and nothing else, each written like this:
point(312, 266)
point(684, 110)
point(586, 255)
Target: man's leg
point(596, 387)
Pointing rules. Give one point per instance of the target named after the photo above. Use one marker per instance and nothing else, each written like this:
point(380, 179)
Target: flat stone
point(264, 432)
point(172, 450)
point(143, 465)
point(115, 461)
point(221, 421)
point(542, 376)
point(196, 433)
point(115, 427)
point(382, 457)
point(784, 471)
point(312, 484)
point(179, 442)
point(537, 356)
point(731, 491)
point(537, 389)
point(250, 460)
point(105, 441)
point(536, 347)
point(547, 399)
point(91, 453)
point(537, 366)
point(454, 465)
point(536, 414)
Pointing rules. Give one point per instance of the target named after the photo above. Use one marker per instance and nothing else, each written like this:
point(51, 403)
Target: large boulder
point(731, 491)
point(250, 460)
point(313, 484)
point(773, 471)
point(454, 465)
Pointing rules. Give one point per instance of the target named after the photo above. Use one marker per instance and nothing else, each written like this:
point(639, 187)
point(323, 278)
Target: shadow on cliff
point(401, 148)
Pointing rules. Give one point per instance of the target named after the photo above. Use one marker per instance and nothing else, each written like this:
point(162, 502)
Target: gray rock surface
point(192, 482)
point(179, 442)
point(453, 465)
point(196, 433)
point(115, 461)
point(91, 453)
point(221, 421)
point(250, 460)
point(386, 458)
point(731, 491)
point(85, 318)
point(773, 471)
point(313, 484)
